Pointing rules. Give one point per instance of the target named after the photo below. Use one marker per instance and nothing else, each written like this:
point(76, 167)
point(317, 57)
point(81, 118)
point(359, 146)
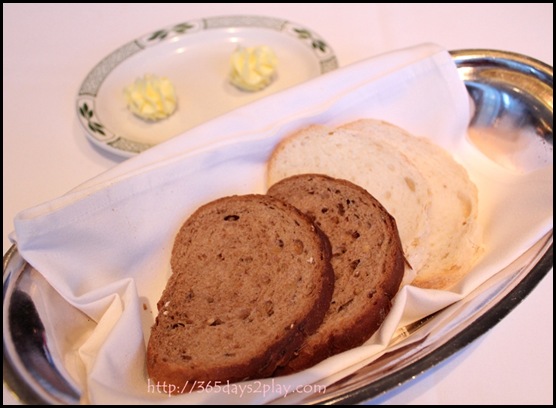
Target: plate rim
point(85, 104)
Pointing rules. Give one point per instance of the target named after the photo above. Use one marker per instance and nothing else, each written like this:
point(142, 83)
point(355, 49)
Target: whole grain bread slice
point(367, 259)
point(251, 279)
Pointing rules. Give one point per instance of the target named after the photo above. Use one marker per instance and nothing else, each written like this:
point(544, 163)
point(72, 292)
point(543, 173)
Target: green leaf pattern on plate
point(315, 42)
point(160, 35)
point(321, 45)
point(182, 28)
point(302, 33)
point(88, 113)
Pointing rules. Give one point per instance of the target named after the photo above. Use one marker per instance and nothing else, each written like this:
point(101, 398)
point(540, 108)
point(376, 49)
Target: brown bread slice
point(251, 278)
point(367, 259)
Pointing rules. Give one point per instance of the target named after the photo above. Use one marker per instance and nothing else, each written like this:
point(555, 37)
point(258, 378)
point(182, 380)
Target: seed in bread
point(251, 278)
point(367, 259)
point(454, 240)
point(379, 168)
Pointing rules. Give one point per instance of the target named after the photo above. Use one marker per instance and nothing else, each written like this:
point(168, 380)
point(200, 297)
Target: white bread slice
point(379, 168)
point(455, 238)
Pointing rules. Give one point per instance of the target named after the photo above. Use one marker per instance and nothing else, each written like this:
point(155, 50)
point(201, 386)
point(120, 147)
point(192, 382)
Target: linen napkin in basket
point(104, 247)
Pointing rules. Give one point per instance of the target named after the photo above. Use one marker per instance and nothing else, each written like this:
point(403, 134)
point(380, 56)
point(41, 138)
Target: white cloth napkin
point(105, 246)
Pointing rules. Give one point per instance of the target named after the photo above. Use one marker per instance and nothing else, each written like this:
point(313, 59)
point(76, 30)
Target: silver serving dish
point(512, 95)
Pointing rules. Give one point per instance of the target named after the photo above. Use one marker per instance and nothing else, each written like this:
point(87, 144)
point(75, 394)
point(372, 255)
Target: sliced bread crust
point(367, 259)
point(251, 279)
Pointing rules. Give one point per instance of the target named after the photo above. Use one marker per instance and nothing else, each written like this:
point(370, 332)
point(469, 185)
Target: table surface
point(48, 49)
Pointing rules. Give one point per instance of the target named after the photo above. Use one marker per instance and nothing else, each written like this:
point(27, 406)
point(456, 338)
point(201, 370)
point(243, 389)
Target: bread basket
point(512, 95)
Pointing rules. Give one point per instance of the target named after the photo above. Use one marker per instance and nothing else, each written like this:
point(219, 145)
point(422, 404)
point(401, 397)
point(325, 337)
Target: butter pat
point(253, 68)
point(151, 98)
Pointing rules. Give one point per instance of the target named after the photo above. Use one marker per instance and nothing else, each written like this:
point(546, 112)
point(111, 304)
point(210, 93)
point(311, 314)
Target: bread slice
point(454, 241)
point(381, 169)
point(367, 259)
point(251, 278)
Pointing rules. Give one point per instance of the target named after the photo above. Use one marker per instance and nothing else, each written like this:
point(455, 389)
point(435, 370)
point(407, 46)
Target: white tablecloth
point(48, 50)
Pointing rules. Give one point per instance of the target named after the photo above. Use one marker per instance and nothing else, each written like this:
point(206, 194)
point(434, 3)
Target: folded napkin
point(104, 247)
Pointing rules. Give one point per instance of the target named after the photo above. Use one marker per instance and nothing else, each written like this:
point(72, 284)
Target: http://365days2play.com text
point(239, 389)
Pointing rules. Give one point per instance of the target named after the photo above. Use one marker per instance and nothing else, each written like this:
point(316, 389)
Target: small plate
point(195, 56)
